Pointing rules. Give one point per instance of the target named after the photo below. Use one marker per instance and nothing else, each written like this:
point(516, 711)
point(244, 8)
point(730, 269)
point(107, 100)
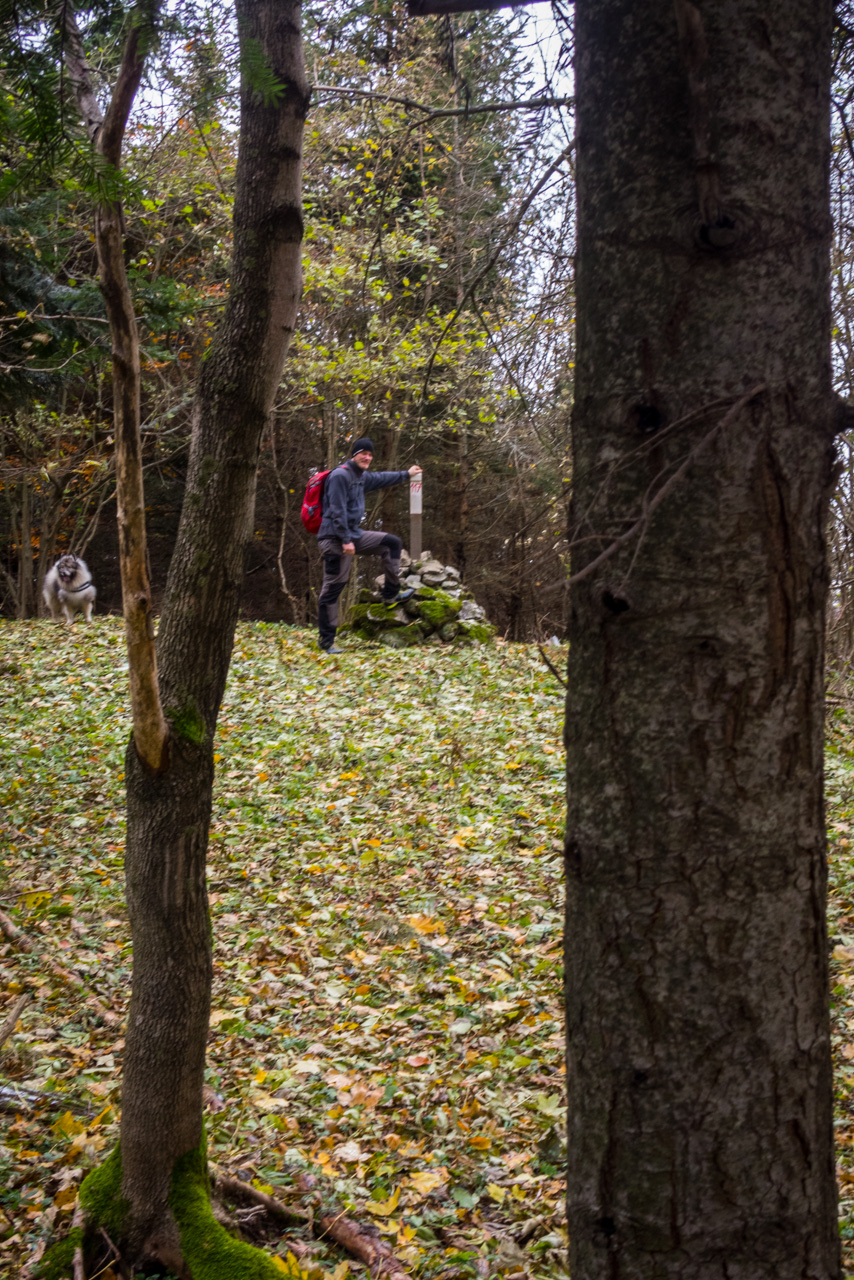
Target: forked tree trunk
point(169, 811)
point(700, 1105)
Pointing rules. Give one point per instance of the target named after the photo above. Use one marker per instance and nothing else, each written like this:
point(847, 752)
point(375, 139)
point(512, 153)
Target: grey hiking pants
point(336, 571)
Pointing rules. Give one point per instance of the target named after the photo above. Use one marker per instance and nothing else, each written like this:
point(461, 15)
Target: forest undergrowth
point(839, 774)
point(385, 887)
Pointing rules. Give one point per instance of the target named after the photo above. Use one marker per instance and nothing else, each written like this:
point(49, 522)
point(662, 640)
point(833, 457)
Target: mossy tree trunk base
point(187, 1239)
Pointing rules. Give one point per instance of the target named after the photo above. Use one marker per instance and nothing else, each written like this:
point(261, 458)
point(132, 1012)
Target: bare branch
point(502, 245)
point(551, 667)
point(11, 1021)
point(440, 113)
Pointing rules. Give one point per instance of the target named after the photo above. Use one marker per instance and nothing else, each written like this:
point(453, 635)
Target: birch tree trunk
point(700, 1104)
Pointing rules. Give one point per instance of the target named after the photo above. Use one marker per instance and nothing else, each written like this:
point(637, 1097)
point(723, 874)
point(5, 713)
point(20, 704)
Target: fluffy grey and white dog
point(68, 589)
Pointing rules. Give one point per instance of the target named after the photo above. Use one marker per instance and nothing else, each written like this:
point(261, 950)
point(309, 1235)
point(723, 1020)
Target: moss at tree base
point(58, 1262)
point(103, 1206)
point(208, 1250)
point(101, 1196)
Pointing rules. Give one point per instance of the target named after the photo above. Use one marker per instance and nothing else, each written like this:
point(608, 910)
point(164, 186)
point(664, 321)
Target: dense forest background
point(437, 314)
point(438, 308)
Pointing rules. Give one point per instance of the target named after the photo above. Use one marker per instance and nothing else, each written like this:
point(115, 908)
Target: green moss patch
point(438, 611)
point(480, 631)
point(187, 722)
point(209, 1251)
point(101, 1195)
point(58, 1262)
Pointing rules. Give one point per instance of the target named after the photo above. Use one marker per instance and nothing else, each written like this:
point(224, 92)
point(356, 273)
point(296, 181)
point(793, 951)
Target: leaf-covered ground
point(839, 768)
point(385, 890)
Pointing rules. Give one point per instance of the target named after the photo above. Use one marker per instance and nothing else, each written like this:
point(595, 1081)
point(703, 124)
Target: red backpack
point(312, 504)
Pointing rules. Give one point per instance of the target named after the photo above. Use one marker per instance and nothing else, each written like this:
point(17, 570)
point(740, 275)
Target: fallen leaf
point(384, 1207)
point(426, 1180)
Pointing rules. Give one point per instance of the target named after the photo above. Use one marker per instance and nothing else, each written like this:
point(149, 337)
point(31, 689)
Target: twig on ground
point(244, 1191)
point(374, 1253)
point(79, 1267)
point(11, 931)
point(551, 667)
point(116, 1257)
point(21, 940)
point(24, 892)
point(9, 1025)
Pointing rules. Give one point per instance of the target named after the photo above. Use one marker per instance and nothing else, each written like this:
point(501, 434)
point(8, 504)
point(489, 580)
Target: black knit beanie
point(364, 445)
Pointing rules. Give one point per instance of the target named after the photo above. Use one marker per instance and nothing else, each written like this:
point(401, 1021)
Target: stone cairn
point(441, 611)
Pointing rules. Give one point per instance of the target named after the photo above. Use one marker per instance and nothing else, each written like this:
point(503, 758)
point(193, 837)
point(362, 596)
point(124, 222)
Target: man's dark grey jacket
point(344, 499)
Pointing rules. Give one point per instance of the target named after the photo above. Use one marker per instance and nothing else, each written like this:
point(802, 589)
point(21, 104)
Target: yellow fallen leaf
point(36, 899)
point(384, 1207)
point(67, 1127)
point(426, 1180)
point(266, 1102)
point(426, 924)
point(288, 1266)
point(218, 1015)
point(481, 1141)
point(496, 1193)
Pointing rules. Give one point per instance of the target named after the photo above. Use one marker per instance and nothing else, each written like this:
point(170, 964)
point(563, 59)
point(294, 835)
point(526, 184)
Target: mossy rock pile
point(440, 612)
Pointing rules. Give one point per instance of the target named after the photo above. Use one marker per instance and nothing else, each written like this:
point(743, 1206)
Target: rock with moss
point(402, 637)
point(438, 611)
point(439, 605)
point(478, 631)
point(385, 613)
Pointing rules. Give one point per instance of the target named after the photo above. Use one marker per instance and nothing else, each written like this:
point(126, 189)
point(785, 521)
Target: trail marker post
point(415, 517)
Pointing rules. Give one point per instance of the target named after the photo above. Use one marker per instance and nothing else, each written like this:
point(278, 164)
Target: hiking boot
point(333, 648)
point(401, 597)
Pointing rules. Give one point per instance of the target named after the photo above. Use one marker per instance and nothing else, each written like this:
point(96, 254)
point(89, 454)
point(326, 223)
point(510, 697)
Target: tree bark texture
point(169, 812)
point(700, 1104)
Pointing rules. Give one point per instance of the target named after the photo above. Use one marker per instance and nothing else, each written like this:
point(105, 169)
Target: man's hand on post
point(415, 471)
point(349, 548)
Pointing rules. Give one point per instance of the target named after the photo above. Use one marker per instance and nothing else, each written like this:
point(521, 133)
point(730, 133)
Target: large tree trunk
point(169, 809)
point(700, 1116)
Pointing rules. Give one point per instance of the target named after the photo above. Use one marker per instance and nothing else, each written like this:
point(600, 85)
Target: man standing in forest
point(341, 536)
